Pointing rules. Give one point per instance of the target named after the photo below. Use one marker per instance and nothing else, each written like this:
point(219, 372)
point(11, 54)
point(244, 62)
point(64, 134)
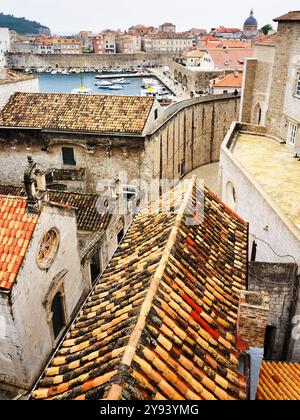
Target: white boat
point(41, 70)
point(65, 72)
point(49, 70)
point(28, 71)
point(116, 87)
point(104, 83)
point(82, 91)
point(122, 81)
point(54, 72)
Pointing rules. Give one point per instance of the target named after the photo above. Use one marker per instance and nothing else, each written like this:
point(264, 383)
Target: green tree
point(266, 29)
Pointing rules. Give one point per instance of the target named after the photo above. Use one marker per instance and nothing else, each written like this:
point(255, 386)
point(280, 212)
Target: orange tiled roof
point(279, 381)
point(161, 322)
point(16, 230)
point(88, 214)
point(268, 40)
point(67, 112)
point(231, 80)
point(230, 58)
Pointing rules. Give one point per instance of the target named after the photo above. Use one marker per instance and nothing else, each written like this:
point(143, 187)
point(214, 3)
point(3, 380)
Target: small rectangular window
point(156, 114)
point(68, 156)
point(129, 192)
point(292, 134)
point(298, 85)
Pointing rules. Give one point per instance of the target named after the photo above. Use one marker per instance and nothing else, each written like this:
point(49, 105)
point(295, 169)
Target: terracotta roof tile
point(16, 230)
point(229, 58)
point(231, 80)
point(279, 381)
point(161, 321)
point(291, 16)
point(67, 112)
point(90, 208)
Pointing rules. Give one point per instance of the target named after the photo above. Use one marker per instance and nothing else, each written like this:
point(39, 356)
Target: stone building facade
point(172, 143)
point(4, 45)
point(41, 285)
point(272, 82)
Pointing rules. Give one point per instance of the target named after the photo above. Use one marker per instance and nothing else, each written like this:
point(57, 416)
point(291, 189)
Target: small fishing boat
point(122, 81)
point(65, 72)
point(116, 87)
point(104, 83)
point(54, 72)
point(82, 91)
point(41, 70)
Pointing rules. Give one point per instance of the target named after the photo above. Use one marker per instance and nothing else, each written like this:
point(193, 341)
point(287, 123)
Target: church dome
point(251, 21)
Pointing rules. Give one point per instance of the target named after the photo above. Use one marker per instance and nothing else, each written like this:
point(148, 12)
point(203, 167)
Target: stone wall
point(195, 81)
point(27, 60)
point(277, 280)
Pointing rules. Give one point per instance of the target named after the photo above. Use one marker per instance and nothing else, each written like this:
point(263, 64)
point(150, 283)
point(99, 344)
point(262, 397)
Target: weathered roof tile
point(161, 322)
point(83, 113)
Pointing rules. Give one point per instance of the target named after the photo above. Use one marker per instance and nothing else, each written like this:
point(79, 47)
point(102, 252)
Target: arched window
point(58, 317)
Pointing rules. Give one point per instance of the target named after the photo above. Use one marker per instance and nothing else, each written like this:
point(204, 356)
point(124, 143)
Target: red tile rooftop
point(16, 230)
point(161, 322)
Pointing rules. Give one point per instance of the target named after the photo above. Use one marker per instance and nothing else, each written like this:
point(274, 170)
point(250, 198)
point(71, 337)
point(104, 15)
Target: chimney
point(253, 317)
point(35, 186)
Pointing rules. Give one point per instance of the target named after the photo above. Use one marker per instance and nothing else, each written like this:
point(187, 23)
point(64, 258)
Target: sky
point(71, 16)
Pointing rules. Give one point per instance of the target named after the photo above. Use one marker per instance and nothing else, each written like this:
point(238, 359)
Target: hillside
point(22, 25)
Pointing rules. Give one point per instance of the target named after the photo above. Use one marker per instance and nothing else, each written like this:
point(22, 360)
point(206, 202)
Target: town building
point(101, 223)
point(167, 42)
point(66, 45)
point(259, 165)
point(226, 59)
point(11, 82)
point(86, 38)
point(129, 43)
point(250, 28)
point(166, 328)
point(167, 27)
point(193, 58)
point(41, 286)
point(89, 138)
point(105, 42)
point(140, 30)
point(231, 83)
point(4, 45)
point(227, 33)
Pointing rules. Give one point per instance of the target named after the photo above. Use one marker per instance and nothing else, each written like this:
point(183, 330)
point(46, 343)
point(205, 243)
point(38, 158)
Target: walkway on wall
point(209, 175)
point(172, 85)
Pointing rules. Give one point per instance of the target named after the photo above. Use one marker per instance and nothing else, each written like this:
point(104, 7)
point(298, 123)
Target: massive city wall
point(26, 60)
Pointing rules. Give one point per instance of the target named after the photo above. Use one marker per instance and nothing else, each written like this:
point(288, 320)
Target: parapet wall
point(24, 60)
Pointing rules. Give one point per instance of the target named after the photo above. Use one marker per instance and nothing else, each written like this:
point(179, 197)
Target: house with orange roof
point(231, 83)
point(40, 280)
point(226, 59)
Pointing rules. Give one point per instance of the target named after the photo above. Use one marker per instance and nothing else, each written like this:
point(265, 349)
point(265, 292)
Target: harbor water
point(66, 83)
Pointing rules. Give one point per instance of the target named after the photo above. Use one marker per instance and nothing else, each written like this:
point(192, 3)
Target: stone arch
point(185, 81)
point(257, 114)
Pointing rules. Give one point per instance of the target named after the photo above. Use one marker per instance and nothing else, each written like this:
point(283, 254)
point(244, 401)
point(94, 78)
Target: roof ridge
point(130, 350)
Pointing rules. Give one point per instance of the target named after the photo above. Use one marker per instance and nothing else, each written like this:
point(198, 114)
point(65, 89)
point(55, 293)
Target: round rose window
point(47, 249)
